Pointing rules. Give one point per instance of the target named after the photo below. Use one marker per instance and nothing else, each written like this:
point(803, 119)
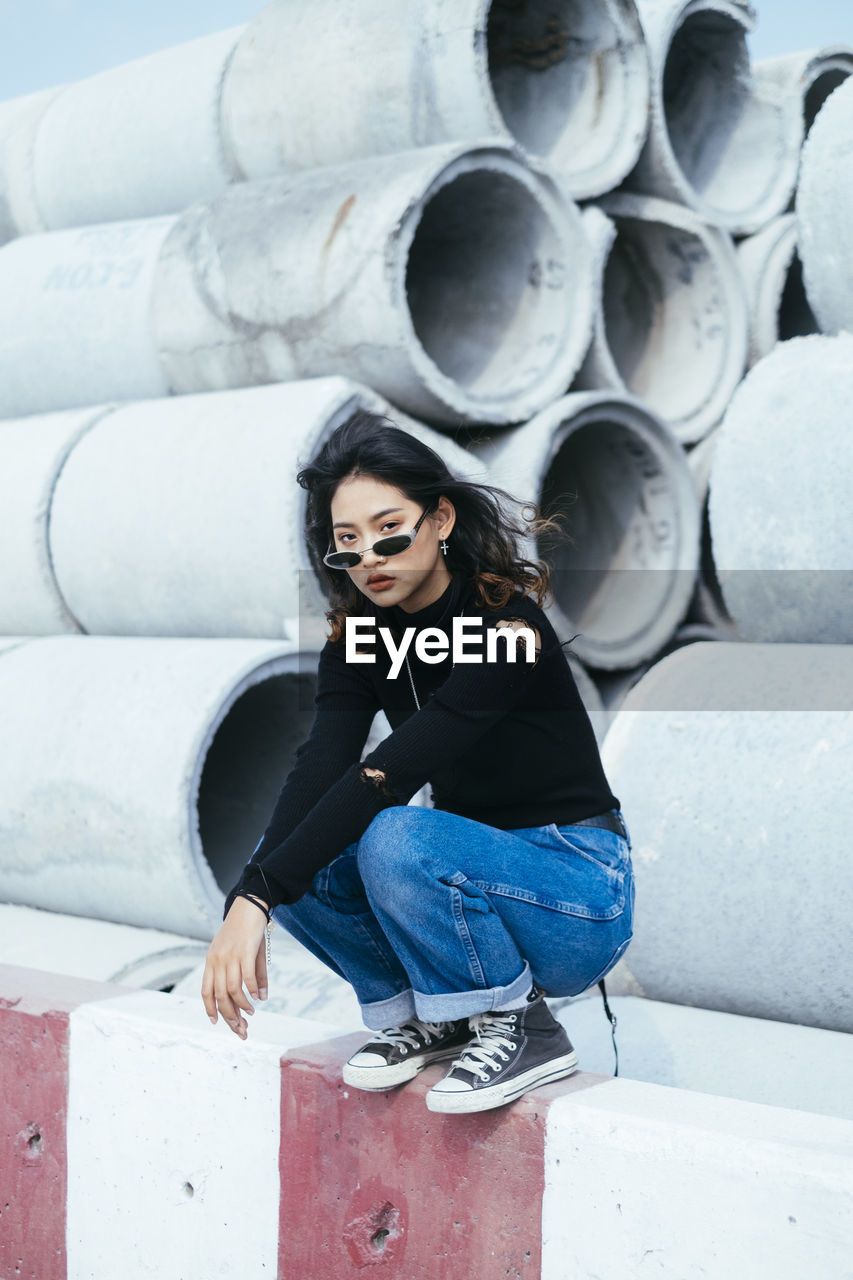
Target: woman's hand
point(236, 956)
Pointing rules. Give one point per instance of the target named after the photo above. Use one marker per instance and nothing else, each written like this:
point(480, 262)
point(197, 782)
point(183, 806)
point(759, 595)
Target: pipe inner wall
point(716, 125)
point(486, 271)
point(614, 575)
point(571, 86)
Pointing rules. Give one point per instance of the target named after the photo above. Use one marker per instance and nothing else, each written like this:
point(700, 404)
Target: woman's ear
point(446, 513)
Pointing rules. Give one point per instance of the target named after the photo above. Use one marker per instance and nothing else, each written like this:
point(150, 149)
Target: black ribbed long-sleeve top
point(509, 744)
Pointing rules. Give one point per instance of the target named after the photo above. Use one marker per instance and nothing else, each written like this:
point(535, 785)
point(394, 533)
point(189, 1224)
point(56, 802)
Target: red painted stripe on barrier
point(377, 1179)
point(34, 1010)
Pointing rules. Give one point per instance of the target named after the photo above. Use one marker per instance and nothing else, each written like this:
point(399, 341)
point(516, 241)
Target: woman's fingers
point(261, 975)
point(232, 960)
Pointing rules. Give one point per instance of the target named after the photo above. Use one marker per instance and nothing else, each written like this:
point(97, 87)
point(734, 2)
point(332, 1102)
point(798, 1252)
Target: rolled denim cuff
point(463, 1004)
point(381, 1014)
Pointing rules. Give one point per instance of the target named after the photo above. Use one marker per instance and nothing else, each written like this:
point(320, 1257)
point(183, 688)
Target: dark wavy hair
point(483, 547)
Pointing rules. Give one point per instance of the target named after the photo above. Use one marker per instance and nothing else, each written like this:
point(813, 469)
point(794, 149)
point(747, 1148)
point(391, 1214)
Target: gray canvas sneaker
point(394, 1056)
point(508, 1054)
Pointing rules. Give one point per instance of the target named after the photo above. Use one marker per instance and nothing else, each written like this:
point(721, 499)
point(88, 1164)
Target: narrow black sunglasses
point(390, 546)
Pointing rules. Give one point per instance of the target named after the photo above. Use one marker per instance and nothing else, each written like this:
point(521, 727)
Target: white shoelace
point(494, 1032)
point(407, 1034)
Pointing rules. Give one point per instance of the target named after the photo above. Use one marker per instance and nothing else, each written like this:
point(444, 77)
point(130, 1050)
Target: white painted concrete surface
point(641, 1179)
point(78, 947)
point(173, 1139)
point(778, 1064)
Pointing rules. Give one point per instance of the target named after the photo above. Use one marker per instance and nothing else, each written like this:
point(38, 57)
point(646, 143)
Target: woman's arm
point(346, 706)
point(473, 698)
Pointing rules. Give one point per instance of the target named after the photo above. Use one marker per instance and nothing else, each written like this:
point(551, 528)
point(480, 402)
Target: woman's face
point(364, 510)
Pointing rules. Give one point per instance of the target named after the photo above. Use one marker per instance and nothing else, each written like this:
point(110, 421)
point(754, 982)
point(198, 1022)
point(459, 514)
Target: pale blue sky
point(47, 42)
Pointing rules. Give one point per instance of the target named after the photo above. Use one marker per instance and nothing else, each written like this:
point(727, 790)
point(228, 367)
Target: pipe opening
point(246, 764)
point(553, 69)
point(485, 284)
point(717, 127)
point(796, 318)
point(613, 574)
point(818, 92)
point(664, 315)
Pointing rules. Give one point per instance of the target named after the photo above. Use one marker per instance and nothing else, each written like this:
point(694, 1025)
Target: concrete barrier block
point(639, 1176)
point(175, 1122)
point(35, 1011)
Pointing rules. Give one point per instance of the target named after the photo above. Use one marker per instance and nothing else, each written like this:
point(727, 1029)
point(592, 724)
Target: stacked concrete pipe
point(139, 774)
point(223, 555)
point(19, 121)
point(824, 202)
point(733, 762)
point(718, 141)
point(671, 322)
point(568, 80)
point(97, 949)
point(141, 139)
point(623, 578)
point(707, 608)
point(454, 280)
point(32, 454)
point(805, 79)
point(779, 503)
point(773, 275)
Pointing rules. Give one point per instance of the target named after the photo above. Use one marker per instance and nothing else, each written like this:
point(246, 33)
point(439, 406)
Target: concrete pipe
point(225, 555)
point(718, 141)
point(624, 576)
point(19, 121)
point(454, 280)
point(732, 765)
point(568, 80)
point(806, 79)
point(32, 454)
point(97, 949)
point(773, 275)
point(614, 686)
point(671, 325)
point(75, 318)
point(139, 774)
point(779, 503)
point(824, 202)
point(707, 608)
point(141, 139)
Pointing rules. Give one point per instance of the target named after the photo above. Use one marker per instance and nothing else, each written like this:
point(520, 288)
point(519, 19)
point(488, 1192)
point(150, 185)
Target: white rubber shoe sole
point(379, 1078)
point(459, 1101)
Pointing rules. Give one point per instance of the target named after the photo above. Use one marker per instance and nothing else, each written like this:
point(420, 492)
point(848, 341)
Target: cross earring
point(444, 546)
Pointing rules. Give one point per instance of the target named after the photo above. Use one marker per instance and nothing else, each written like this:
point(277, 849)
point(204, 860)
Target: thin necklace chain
point(411, 679)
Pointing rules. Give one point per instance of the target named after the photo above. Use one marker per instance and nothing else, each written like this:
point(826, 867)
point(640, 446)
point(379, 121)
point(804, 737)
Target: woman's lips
point(380, 584)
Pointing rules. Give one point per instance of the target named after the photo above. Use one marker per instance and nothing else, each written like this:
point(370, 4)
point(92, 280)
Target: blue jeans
point(437, 916)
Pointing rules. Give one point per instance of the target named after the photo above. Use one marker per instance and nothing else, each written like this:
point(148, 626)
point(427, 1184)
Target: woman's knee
point(392, 842)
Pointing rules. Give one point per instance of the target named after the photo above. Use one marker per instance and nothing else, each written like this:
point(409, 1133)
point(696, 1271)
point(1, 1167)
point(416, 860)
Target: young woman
point(451, 923)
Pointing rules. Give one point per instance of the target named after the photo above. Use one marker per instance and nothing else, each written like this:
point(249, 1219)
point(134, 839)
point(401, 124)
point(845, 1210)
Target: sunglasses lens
point(342, 560)
point(394, 545)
